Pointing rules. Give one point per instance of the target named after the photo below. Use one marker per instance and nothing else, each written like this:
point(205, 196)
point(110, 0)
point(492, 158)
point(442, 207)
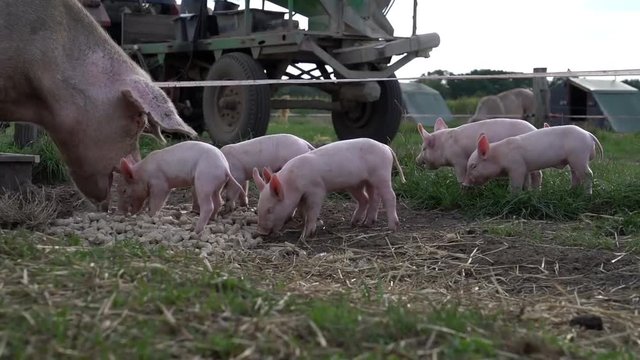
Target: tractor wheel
point(236, 113)
point(378, 120)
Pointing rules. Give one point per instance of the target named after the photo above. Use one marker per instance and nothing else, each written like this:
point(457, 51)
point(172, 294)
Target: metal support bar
point(415, 17)
point(309, 45)
point(247, 14)
point(290, 22)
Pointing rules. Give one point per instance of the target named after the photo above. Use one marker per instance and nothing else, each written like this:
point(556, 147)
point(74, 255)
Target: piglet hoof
point(198, 229)
point(369, 222)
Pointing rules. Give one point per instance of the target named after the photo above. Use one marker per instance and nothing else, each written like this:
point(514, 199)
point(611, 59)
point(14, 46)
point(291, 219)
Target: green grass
point(619, 233)
point(315, 131)
point(51, 168)
point(464, 105)
point(616, 189)
point(128, 301)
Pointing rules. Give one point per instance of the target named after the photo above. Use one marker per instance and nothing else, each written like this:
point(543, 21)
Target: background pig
point(556, 146)
point(271, 151)
point(361, 167)
point(452, 147)
point(189, 163)
point(515, 103)
point(61, 71)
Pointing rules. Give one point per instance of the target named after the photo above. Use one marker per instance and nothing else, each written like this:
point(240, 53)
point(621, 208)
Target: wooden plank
point(541, 92)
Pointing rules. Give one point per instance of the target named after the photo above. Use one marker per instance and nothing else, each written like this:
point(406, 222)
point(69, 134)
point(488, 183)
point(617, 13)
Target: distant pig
point(361, 167)
point(452, 147)
point(556, 146)
point(272, 151)
point(189, 163)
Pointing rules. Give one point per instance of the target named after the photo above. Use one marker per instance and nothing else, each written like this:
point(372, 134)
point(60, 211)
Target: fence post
point(24, 134)
point(541, 92)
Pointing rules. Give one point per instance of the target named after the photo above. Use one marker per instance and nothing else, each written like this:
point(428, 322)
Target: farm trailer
point(345, 39)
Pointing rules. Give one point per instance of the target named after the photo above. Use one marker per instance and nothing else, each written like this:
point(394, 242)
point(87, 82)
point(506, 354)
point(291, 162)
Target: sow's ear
point(148, 98)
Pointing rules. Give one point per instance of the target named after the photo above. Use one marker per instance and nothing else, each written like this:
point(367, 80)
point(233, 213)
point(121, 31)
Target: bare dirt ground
point(438, 257)
point(529, 268)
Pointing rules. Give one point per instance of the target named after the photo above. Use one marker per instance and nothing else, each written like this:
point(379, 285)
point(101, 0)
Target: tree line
point(459, 88)
point(450, 89)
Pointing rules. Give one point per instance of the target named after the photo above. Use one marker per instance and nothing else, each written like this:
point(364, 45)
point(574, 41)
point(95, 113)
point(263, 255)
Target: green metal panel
point(422, 100)
point(621, 109)
point(303, 7)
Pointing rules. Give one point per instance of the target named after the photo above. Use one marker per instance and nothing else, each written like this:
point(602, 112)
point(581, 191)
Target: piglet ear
point(258, 180)
point(126, 169)
point(266, 173)
point(132, 159)
point(440, 125)
point(276, 187)
point(546, 125)
point(483, 146)
point(422, 131)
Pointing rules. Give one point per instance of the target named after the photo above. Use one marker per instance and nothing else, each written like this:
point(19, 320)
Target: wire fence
point(532, 75)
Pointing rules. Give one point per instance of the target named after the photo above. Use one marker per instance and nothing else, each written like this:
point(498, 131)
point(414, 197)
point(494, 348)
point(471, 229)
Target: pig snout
point(95, 187)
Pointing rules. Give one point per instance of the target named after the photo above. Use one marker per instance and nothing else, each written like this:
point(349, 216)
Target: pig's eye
point(269, 210)
point(473, 166)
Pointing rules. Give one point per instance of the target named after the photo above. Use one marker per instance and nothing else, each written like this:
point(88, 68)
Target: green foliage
point(615, 187)
point(50, 169)
point(632, 82)
point(463, 105)
point(457, 88)
point(297, 91)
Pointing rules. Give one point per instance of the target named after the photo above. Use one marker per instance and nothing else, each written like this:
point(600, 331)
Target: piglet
point(271, 151)
point(361, 167)
point(452, 147)
point(186, 164)
point(548, 147)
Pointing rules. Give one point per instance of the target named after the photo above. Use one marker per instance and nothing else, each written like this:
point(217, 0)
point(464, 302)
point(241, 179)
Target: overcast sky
point(519, 35)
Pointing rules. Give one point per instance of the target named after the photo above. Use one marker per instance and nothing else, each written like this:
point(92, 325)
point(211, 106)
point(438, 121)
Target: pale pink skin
point(271, 151)
point(361, 167)
point(548, 147)
point(453, 147)
point(77, 84)
point(186, 164)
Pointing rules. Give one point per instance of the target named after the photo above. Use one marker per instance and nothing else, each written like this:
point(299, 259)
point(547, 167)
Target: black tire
point(250, 114)
point(378, 120)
